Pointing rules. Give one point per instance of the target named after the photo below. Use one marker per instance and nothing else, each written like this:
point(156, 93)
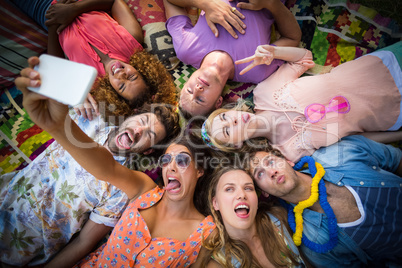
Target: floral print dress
point(131, 243)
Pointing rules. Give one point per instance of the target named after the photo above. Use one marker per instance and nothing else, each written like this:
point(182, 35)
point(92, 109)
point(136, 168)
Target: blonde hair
point(242, 106)
point(222, 248)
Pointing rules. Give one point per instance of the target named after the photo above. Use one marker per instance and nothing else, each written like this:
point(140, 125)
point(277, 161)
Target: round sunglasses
point(182, 160)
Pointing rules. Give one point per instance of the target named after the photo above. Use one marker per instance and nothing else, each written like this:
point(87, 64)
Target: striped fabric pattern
point(20, 38)
point(382, 225)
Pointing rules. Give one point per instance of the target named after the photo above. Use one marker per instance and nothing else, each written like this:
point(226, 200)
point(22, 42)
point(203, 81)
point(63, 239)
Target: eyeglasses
point(182, 160)
point(315, 112)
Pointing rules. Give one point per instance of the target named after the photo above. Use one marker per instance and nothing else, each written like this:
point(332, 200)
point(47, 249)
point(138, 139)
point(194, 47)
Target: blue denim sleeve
point(388, 157)
point(356, 151)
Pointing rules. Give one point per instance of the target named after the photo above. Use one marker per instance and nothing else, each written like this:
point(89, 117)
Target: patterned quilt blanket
point(335, 30)
point(20, 139)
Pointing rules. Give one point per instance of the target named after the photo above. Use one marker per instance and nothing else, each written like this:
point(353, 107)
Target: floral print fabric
point(131, 243)
point(46, 203)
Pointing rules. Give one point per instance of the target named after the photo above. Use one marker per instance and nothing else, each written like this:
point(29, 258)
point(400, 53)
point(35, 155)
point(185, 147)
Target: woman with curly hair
point(128, 76)
point(160, 87)
point(247, 234)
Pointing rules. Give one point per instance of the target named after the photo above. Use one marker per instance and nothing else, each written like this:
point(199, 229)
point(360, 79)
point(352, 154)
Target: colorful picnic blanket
point(337, 31)
point(20, 139)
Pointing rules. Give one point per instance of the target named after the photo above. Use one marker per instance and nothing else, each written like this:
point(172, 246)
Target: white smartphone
point(65, 81)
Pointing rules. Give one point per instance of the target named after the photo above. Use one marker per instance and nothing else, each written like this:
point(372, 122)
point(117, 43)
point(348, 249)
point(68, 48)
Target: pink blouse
point(366, 82)
point(98, 29)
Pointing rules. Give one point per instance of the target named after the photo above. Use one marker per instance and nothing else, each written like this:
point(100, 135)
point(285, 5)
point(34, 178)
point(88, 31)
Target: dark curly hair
point(158, 80)
point(263, 146)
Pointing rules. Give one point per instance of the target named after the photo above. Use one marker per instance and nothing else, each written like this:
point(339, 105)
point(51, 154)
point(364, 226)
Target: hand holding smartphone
point(65, 81)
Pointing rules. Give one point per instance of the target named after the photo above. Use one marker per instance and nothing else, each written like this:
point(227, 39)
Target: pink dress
point(98, 29)
point(131, 244)
point(367, 83)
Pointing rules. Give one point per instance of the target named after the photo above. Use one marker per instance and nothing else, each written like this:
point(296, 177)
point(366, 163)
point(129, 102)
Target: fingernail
point(236, 36)
point(33, 74)
point(34, 83)
point(242, 31)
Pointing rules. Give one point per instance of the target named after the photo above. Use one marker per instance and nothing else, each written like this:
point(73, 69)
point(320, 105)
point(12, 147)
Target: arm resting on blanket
point(80, 246)
point(126, 18)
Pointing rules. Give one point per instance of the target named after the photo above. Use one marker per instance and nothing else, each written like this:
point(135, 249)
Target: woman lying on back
point(247, 235)
point(84, 32)
point(300, 115)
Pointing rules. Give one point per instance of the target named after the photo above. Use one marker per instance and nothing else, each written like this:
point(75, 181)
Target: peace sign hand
point(264, 54)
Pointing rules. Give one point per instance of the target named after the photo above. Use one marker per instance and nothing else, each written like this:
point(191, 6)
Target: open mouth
point(124, 140)
point(173, 185)
point(116, 67)
point(242, 210)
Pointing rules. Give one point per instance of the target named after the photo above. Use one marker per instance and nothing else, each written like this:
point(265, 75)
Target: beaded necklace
point(318, 190)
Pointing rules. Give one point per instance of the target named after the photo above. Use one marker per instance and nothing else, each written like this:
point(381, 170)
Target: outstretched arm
point(216, 11)
point(80, 246)
point(53, 117)
point(284, 19)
